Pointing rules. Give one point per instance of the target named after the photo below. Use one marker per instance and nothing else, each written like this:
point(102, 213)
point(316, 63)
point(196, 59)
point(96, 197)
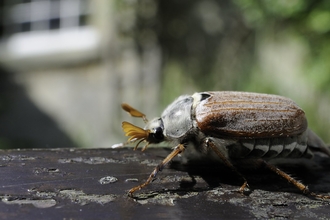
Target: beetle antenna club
point(136, 134)
point(233, 127)
point(133, 112)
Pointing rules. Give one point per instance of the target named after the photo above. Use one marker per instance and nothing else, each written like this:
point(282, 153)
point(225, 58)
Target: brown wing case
point(249, 115)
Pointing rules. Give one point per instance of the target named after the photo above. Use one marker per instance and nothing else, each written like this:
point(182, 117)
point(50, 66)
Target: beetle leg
point(294, 182)
point(286, 176)
point(228, 164)
point(177, 150)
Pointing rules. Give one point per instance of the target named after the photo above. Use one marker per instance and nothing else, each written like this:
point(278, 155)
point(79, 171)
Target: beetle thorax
point(177, 118)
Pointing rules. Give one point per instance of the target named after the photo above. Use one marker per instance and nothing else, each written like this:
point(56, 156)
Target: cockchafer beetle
point(232, 126)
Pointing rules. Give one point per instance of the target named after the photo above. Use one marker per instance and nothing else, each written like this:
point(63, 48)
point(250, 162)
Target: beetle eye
point(156, 136)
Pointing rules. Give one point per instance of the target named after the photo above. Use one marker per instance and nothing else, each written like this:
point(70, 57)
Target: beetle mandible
point(231, 126)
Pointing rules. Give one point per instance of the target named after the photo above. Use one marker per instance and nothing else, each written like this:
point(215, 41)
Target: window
point(35, 28)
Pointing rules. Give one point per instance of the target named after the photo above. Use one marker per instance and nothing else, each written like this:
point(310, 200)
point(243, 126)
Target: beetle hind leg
point(211, 145)
point(303, 188)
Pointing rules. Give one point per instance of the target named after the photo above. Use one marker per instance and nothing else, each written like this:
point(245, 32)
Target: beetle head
point(151, 133)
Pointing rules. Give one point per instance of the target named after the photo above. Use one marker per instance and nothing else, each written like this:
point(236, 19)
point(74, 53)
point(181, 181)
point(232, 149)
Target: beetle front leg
point(177, 150)
point(211, 145)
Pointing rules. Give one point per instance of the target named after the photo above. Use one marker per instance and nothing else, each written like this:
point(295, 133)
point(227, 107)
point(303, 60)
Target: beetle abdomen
point(246, 115)
point(285, 147)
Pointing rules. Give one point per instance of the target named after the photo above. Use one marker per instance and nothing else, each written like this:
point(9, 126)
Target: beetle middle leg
point(210, 144)
point(177, 150)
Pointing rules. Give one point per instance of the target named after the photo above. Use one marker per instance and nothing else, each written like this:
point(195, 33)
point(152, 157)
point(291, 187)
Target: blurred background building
point(66, 65)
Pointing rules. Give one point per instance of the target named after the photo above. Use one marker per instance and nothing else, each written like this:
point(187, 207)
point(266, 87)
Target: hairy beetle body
point(256, 125)
point(230, 126)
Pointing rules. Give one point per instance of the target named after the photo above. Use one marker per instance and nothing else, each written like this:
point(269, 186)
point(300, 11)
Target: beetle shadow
point(213, 174)
point(313, 173)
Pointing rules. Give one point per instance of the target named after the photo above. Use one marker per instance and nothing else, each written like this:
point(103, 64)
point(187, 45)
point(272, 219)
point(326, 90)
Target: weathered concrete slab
point(92, 184)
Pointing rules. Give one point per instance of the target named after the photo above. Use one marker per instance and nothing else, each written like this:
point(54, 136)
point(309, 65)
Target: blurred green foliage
point(268, 46)
point(309, 21)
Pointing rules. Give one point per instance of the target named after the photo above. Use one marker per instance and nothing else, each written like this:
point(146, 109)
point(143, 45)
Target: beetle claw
point(242, 188)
